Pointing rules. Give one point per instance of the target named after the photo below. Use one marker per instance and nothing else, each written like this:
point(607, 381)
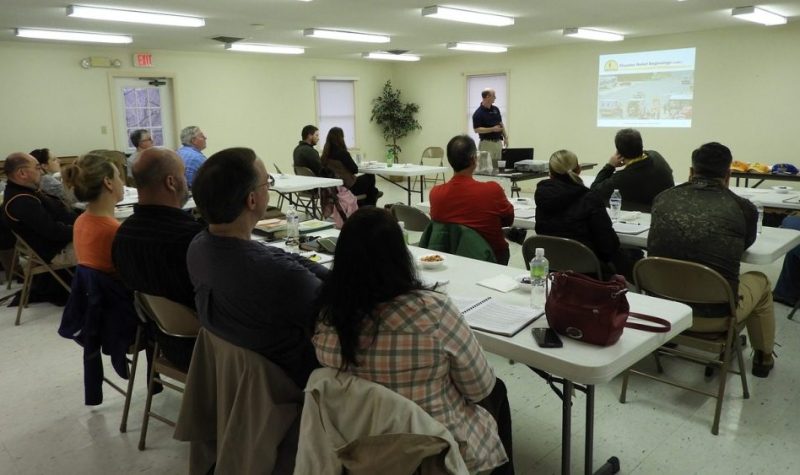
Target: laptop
point(514, 155)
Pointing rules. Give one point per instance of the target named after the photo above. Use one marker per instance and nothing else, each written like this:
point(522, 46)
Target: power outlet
point(103, 130)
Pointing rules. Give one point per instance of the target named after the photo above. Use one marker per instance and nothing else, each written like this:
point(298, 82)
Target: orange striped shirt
point(92, 237)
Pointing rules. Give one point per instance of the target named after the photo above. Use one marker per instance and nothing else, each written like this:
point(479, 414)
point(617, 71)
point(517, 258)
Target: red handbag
point(591, 310)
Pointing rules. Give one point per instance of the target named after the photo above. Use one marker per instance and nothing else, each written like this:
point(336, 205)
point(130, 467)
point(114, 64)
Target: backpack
point(338, 202)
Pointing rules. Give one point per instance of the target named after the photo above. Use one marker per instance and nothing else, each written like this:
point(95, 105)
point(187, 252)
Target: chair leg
point(624, 391)
point(26, 290)
point(791, 314)
point(123, 426)
point(723, 379)
point(11, 269)
point(148, 402)
point(742, 371)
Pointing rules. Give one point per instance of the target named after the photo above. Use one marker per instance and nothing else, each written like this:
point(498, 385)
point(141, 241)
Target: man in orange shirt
point(482, 206)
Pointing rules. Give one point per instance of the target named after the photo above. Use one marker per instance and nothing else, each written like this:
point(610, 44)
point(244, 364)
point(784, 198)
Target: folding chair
point(309, 199)
point(34, 265)
point(435, 157)
point(563, 254)
point(175, 320)
point(693, 283)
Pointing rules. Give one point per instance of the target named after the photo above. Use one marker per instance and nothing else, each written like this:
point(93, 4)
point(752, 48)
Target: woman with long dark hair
point(336, 157)
point(378, 322)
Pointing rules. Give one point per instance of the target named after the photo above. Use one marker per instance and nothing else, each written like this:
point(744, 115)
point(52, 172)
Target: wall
point(746, 96)
point(237, 99)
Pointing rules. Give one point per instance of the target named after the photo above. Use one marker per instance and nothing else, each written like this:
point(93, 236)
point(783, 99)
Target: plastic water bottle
point(389, 157)
point(403, 229)
point(760, 208)
point(292, 231)
point(615, 203)
point(540, 268)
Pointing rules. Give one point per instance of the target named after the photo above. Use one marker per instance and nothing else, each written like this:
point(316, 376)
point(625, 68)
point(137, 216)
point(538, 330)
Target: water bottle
point(403, 229)
point(389, 157)
point(292, 231)
point(540, 267)
point(615, 203)
point(760, 208)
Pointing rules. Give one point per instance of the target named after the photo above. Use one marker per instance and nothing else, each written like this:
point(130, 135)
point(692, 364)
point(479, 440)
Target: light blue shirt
point(192, 159)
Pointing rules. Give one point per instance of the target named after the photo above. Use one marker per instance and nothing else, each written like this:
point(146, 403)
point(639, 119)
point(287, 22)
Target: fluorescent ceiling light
point(390, 56)
point(596, 35)
point(482, 48)
point(345, 35)
point(467, 16)
point(758, 15)
point(132, 16)
point(72, 36)
point(256, 48)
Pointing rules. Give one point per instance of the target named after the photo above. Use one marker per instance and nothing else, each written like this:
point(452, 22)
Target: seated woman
point(379, 323)
point(95, 179)
point(50, 184)
point(566, 208)
point(336, 157)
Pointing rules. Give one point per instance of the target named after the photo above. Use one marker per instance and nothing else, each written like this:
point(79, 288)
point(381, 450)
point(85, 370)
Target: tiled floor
point(45, 428)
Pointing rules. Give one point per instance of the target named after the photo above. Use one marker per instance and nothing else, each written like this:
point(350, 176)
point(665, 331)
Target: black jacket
point(638, 183)
point(566, 209)
point(40, 219)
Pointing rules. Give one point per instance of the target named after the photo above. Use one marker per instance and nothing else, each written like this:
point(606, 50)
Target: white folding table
point(406, 170)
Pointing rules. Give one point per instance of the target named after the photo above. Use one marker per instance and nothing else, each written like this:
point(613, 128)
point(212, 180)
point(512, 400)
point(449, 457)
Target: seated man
point(38, 218)
point(193, 142)
point(305, 155)
point(646, 173)
point(787, 290)
point(149, 250)
point(477, 205)
point(704, 222)
point(252, 295)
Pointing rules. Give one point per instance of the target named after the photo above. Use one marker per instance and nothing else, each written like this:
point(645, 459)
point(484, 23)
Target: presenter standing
point(488, 124)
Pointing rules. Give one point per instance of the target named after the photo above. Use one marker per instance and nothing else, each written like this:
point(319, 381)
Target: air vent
point(227, 39)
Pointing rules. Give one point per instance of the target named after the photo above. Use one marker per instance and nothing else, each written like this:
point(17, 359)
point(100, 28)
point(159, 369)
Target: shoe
point(761, 365)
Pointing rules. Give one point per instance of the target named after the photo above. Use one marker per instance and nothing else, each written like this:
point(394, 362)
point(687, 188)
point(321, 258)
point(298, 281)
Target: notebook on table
point(490, 315)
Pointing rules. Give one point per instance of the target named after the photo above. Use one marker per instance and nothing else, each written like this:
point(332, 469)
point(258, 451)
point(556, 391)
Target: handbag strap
point(662, 327)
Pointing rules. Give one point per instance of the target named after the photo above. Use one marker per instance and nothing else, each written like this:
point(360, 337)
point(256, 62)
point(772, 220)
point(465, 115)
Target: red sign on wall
point(143, 60)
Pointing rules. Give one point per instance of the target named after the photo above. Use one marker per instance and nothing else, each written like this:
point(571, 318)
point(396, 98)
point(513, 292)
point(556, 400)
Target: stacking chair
point(355, 426)
point(456, 239)
point(240, 411)
point(175, 320)
point(308, 200)
point(431, 156)
point(563, 254)
point(414, 219)
point(693, 283)
point(34, 265)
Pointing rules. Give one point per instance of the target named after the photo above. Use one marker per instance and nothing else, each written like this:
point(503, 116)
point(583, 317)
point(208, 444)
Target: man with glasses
point(40, 219)
point(255, 296)
point(142, 140)
point(194, 142)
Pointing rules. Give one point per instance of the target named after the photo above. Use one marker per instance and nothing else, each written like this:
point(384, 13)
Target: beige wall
point(237, 99)
point(747, 95)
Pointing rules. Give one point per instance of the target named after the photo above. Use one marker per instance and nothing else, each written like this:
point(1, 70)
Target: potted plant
point(395, 117)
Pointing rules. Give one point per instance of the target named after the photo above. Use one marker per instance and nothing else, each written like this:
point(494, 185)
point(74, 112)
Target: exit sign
point(143, 60)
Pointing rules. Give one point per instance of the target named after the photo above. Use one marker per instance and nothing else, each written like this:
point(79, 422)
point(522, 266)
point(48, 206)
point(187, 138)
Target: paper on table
point(501, 282)
point(525, 213)
point(495, 317)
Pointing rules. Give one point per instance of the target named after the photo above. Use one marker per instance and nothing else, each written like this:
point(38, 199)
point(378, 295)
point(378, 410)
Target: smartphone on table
point(546, 338)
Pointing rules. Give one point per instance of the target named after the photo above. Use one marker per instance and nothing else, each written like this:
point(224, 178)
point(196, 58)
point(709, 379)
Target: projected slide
point(646, 89)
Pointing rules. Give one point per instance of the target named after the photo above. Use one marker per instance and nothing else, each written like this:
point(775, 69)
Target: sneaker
point(762, 364)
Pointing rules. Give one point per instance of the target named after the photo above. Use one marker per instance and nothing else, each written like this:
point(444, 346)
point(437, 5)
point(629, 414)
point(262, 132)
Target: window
point(476, 84)
point(143, 111)
point(336, 108)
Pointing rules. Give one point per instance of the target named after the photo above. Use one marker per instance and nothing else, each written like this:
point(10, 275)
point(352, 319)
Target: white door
point(143, 103)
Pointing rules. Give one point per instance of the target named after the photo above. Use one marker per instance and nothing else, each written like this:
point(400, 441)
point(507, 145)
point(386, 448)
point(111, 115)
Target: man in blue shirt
point(194, 141)
point(488, 124)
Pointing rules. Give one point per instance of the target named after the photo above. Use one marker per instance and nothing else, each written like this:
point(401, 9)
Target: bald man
point(149, 251)
point(38, 218)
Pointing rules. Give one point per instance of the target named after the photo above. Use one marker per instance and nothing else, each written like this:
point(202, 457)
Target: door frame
point(136, 74)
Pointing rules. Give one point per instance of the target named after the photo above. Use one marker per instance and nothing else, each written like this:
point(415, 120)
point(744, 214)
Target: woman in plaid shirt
point(379, 323)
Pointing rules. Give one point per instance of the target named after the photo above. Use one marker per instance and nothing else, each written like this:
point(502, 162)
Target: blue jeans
point(788, 287)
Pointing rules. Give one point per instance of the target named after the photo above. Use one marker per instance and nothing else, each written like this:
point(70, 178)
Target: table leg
point(588, 455)
point(421, 189)
point(566, 426)
point(408, 189)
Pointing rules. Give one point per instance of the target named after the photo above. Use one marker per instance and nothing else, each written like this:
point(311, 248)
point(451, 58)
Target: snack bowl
point(782, 189)
point(431, 261)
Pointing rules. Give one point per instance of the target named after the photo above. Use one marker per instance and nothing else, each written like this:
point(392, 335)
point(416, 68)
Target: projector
point(536, 166)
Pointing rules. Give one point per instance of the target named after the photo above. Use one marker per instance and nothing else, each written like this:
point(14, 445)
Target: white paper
point(501, 282)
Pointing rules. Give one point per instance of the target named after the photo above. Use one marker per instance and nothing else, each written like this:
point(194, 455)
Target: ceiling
point(538, 22)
